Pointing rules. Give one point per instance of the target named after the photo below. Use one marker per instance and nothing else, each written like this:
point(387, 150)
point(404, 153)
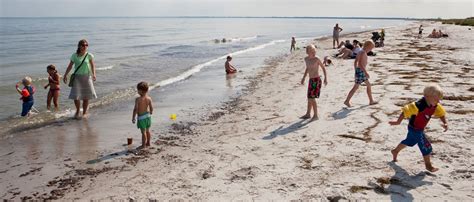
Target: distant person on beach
point(361, 74)
point(419, 114)
point(26, 95)
point(434, 34)
point(350, 51)
point(327, 61)
point(314, 83)
point(293, 44)
point(81, 83)
point(335, 35)
point(229, 68)
point(420, 31)
point(53, 83)
point(143, 109)
point(382, 38)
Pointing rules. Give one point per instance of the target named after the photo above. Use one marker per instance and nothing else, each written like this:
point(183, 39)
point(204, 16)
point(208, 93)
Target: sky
point(259, 8)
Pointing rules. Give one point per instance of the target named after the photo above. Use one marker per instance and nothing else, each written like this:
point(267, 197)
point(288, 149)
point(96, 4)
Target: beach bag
point(73, 75)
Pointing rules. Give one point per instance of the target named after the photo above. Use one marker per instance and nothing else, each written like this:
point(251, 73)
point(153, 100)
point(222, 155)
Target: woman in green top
point(84, 75)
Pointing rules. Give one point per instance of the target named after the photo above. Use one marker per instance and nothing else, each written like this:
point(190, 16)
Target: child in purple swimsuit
point(53, 83)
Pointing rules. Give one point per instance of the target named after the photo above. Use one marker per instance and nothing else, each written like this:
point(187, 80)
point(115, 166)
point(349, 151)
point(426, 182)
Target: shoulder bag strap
point(81, 63)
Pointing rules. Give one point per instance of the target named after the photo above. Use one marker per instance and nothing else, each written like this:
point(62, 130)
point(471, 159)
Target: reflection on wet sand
point(229, 78)
point(86, 141)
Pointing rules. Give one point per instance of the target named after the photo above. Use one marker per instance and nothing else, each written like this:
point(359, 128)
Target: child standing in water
point(314, 86)
point(26, 95)
point(53, 83)
point(420, 113)
point(293, 44)
point(144, 109)
point(361, 74)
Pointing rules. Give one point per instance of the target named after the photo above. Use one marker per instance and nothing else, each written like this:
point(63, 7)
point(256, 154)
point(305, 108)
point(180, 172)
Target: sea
point(182, 58)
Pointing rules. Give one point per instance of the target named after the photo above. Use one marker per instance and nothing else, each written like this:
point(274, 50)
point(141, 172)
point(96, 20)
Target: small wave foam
point(235, 39)
point(45, 118)
point(199, 67)
point(105, 68)
point(146, 45)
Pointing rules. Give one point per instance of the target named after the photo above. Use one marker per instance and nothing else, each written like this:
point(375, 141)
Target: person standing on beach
point(314, 84)
point(420, 31)
point(293, 44)
point(143, 109)
point(229, 68)
point(335, 35)
point(81, 83)
point(420, 113)
point(361, 74)
point(26, 95)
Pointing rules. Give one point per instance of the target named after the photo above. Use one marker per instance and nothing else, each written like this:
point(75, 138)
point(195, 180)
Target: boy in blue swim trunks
point(420, 113)
point(314, 84)
point(361, 74)
point(144, 109)
point(26, 95)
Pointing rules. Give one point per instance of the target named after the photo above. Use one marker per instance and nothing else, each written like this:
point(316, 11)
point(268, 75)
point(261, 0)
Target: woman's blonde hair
point(433, 90)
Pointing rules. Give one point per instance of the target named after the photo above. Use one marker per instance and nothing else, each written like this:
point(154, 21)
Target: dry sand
point(256, 148)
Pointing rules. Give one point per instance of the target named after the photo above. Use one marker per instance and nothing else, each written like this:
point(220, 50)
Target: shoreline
point(254, 147)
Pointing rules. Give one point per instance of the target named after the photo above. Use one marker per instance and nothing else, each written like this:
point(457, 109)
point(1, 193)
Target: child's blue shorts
point(26, 107)
point(418, 137)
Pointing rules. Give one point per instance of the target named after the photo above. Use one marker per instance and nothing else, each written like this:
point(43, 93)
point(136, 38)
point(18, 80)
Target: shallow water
point(162, 51)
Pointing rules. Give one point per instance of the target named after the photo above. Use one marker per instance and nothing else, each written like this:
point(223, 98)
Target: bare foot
point(432, 169)
point(86, 115)
point(394, 154)
point(373, 103)
point(315, 118)
point(306, 116)
point(347, 103)
point(77, 116)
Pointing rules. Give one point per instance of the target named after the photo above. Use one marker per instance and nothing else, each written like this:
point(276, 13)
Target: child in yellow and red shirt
point(419, 114)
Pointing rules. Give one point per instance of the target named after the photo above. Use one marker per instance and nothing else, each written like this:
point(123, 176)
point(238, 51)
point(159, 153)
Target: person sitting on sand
point(26, 95)
point(347, 53)
point(361, 74)
point(229, 68)
point(293, 44)
point(314, 83)
point(344, 43)
point(419, 114)
point(441, 34)
point(434, 34)
point(143, 109)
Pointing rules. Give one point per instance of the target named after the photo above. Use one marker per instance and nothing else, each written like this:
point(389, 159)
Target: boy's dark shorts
point(314, 87)
point(360, 76)
point(418, 137)
point(26, 107)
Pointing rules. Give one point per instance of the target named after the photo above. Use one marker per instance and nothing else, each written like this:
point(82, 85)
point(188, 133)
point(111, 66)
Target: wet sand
point(256, 148)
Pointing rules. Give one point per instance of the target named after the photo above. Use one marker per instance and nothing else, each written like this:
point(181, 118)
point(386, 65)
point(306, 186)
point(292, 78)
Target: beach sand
point(255, 147)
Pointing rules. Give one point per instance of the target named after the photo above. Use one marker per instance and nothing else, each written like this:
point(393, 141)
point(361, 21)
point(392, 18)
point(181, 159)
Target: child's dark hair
point(51, 67)
point(229, 57)
point(142, 86)
point(329, 61)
